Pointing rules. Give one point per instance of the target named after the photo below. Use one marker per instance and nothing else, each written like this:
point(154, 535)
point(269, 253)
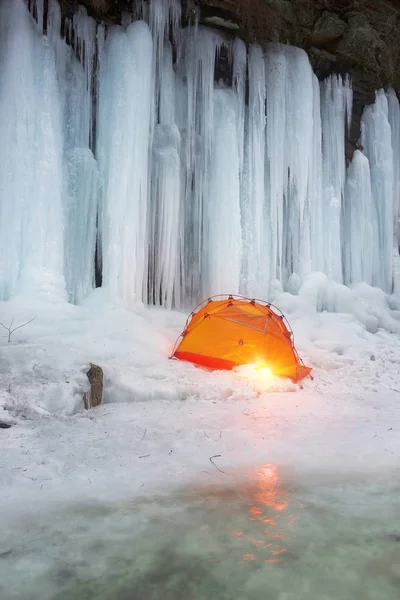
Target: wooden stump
point(94, 396)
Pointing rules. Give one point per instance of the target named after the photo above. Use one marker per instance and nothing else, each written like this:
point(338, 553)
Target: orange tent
point(227, 331)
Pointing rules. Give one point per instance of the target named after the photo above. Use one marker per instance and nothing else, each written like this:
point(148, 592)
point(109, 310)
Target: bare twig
point(11, 330)
point(218, 469)
point(145, 456)
point(144, 435)
point(27, 477)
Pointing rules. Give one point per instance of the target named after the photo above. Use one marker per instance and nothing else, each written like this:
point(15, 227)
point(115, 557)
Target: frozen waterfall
point(179, 163)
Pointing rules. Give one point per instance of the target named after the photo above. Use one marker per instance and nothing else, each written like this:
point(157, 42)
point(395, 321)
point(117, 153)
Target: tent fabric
point(228, 331)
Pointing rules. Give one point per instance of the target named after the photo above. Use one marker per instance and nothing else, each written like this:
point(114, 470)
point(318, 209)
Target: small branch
point(145, 456)
point(23, 325)
point(144, 435)
point(218, 469)
point(10, 328)
point(27, 477)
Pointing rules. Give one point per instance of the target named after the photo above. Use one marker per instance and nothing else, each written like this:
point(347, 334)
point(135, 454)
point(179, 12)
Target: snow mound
point(43, 369)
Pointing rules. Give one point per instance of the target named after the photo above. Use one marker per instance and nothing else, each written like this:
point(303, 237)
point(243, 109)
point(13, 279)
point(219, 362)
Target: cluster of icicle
point(119, 142)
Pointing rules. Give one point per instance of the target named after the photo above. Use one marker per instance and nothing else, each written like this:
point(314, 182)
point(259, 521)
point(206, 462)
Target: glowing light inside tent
point(262, 369)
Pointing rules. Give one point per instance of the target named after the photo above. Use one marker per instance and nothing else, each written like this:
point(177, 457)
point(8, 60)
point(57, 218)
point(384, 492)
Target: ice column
point(290, 152)
point(315, 198)
point(224, 239)
point(165, 213)
point(124, 123)
point(31, 143)
point(361, 231)
point(276, 75)
point(376, 138)
point(196, 74)
point(299, 155)
point(256, 230)
point(82, 190)
point(335, 110)
point(394, 120)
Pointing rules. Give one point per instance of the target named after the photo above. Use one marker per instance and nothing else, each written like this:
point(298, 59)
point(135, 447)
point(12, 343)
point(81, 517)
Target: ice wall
point(50, 183)
point(194, 164)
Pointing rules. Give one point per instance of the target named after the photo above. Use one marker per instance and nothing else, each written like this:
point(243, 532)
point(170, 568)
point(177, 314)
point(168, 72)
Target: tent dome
point(228, 331)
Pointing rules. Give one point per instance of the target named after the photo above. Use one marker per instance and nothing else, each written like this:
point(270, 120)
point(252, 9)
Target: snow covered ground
point(175, 449)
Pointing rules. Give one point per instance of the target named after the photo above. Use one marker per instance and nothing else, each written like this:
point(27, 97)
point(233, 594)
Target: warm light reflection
point(269, 506)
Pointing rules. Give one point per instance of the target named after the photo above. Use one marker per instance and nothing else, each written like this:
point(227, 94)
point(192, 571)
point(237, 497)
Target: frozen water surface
point(263, 534)
point(123, 501)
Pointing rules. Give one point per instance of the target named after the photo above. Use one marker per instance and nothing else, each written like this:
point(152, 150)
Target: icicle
point(54, 22)
point(123, 153)
point(84, 29)
point(239, 85)
point(376, 139)
point(348, 94)
point(162, 15)
point(141, 10)
point(37, 11)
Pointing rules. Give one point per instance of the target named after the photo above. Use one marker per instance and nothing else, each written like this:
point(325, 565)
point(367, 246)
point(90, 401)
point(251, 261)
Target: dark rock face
point(327, 31)
point(359, 37)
